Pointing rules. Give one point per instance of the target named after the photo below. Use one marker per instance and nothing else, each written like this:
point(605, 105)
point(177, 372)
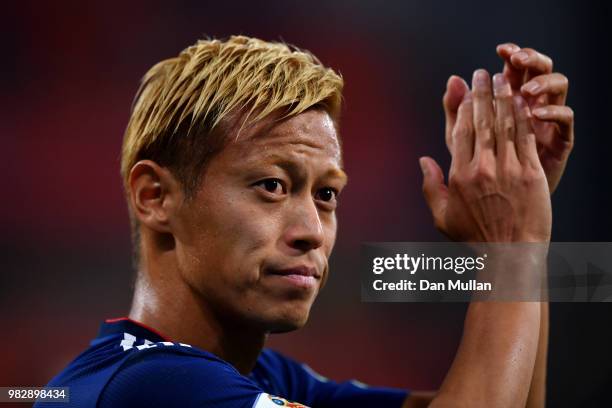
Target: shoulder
point(274, 361)
point(177, 375)
point(296, 381)
point(275, 367)
point(281, 375)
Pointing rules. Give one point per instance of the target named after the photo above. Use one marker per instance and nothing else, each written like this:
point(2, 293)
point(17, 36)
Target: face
point(255, 241)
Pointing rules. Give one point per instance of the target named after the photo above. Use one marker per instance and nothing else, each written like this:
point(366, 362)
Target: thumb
point(434, 189)
point(456, 88)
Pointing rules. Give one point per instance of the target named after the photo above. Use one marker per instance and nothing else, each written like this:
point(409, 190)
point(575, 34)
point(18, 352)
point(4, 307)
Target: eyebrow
point(337, 173)
point(293, 167)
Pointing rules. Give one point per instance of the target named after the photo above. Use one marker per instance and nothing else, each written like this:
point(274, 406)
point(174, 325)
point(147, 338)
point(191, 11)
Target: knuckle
point(505, 126)
point(532, 175)
point(461, 130)
point(522, 140)
point(481, 93)
point(484, 173)
point(464, 184)
point(525, 133)
point(569, 144)
point(544, 60)
point(511, 170)
point(541, 81)
point(563, 80)
point(503, 94)
point(549, 63)
point(526, 182)
point(464, 110)
point(482, 124)
point(456, 179)
point(525, 178)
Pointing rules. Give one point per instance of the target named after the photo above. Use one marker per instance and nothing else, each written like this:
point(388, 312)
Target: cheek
point(330, 229)
point(235, 238)
point(250, 239)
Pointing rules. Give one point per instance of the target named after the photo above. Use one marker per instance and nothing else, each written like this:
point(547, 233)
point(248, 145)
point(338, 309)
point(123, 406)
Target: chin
point(290, 320)
point(285, 327)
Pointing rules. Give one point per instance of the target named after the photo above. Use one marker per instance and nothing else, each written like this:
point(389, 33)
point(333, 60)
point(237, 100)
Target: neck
point(171, 307)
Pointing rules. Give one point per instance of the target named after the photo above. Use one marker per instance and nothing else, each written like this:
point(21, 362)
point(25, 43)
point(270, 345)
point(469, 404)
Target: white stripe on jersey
point(265, 400)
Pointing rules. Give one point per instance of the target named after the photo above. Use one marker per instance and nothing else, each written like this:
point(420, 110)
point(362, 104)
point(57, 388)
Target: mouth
point(301, 270)
point(301, 276)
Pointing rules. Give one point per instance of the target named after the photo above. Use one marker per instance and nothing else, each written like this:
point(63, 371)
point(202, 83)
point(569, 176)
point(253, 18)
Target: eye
point(327, 194)
point(271, 185)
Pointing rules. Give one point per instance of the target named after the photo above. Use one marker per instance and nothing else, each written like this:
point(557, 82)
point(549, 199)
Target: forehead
point(311, 133)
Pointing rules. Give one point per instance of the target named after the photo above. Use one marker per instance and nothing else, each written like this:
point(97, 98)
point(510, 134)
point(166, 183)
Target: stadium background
point(69, 73)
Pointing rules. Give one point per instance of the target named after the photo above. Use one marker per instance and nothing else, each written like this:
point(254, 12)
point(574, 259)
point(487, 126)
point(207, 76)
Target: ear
point(155, 195)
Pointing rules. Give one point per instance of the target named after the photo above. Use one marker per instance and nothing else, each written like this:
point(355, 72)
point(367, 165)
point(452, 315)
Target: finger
point(562, 116)
point(483, 113)
point(505, 50)
point(525, 137)
point(513, 75)
point(456, 88)
point(554, 85)
point(504, 119)
point(463, 133)
point(434, 189)
point(533, 62)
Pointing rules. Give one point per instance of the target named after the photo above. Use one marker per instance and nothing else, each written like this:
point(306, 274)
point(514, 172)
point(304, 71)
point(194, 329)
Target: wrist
point(533, 238)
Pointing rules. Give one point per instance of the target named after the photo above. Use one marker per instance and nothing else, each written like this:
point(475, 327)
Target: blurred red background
point(69, 73)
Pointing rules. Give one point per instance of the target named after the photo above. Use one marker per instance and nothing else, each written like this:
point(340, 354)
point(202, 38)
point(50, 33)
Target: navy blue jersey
point(130, 365)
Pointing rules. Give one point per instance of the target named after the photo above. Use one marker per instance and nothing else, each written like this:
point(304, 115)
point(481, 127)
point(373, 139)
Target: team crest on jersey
point(271, 401)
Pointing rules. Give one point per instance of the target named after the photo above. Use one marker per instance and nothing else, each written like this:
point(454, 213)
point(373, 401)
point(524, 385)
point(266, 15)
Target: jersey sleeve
point(281, 375)
point(168, 380)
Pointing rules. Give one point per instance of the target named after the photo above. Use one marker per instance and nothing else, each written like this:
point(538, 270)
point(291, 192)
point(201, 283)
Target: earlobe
point(153, 194)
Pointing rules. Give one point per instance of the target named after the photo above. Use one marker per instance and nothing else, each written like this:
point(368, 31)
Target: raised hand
point(530, 75)
point(497, 189)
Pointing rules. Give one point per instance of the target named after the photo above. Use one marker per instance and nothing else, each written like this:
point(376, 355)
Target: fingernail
point(423, 165)
point(508, 47)
point(499, 81)
point(480, 78)
point(521, 56)
point(467, 97)
point(531, 87)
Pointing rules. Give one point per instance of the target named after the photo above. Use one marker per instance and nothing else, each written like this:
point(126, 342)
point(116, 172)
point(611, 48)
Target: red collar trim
point(144, 326)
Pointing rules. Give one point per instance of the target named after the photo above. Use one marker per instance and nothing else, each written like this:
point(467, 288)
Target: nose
point(304, 230)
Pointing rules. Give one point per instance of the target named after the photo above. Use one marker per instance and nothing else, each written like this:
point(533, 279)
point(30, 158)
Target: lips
point(300, 270)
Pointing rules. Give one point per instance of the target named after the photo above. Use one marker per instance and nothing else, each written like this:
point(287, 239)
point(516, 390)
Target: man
point(232, 169)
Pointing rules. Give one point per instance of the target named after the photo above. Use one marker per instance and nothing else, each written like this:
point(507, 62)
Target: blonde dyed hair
point(185, 104)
